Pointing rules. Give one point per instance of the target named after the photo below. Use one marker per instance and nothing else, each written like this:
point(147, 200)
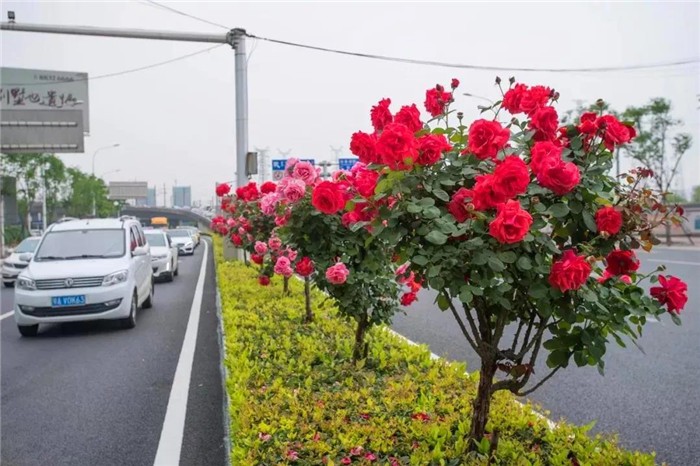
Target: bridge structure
point(176, 217)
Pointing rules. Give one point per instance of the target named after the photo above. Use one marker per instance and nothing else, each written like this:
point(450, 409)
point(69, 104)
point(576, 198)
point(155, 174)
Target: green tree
point(31, 170)
point(84, 192)
point(656, 146)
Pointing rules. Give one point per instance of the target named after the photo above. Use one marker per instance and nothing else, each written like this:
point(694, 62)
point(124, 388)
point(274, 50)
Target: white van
point(85, 270)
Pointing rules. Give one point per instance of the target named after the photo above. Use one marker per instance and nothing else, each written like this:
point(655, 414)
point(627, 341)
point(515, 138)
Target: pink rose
point(294, 189)
point(337, 274)
point(260, 247)
point(283, 267)
point(306, 172)
point(275, 243)
point(268, 203)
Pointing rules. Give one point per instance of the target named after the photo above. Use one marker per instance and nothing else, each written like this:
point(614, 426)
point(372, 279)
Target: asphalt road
point(92, 394)
point(652, 400)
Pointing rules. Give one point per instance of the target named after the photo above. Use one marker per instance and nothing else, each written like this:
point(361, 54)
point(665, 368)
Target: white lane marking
point(170, 443)
point(664, 261)
point(7, 314)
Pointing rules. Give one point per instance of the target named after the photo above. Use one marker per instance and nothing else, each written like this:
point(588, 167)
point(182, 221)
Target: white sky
point(177, 122)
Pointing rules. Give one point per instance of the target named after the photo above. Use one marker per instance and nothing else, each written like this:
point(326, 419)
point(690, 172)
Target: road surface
point(652, 400)
point(92, 394)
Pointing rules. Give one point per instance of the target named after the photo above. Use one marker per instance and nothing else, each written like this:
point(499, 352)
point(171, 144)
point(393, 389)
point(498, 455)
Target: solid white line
point(7, 314)
point(665, 261)
point(170, 443)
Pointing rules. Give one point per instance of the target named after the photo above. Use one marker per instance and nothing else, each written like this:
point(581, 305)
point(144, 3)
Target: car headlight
point(189, 244)
point(115, 278)
point(25, 283)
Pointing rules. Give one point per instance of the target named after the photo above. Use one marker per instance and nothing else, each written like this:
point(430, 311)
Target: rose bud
point(498, 80)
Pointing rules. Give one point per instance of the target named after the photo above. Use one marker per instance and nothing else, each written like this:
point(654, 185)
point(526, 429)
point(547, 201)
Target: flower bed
point(297, 398)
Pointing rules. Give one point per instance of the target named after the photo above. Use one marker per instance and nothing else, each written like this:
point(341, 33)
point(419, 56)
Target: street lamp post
point(474, 96)
point(94, 154)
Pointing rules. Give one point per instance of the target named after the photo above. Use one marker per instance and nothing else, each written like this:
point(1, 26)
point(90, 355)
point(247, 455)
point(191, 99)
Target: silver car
point(18, 260)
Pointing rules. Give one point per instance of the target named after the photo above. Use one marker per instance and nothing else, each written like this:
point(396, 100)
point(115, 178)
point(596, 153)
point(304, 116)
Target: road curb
point(221, 334)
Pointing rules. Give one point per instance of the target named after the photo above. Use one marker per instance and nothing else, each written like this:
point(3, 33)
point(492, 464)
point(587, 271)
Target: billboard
point(24, 131)
point(125, 190)
point(29, 89)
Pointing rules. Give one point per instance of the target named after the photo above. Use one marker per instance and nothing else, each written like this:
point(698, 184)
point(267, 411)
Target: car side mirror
point(26, 256)
point(139, 251)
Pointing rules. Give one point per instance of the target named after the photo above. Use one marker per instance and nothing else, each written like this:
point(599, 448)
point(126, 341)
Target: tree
point(655, 145)
point(696, 194)
point(84, 190)
point(29, 170)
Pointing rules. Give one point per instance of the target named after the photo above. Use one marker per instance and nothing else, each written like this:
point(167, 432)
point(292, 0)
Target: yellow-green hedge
point(296, 384)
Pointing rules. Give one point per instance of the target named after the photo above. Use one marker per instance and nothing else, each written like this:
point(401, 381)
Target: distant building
point(151, 199)
point(182, 196)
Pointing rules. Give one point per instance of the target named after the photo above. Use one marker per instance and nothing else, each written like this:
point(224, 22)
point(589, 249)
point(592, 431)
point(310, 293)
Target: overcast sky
point(177, 122)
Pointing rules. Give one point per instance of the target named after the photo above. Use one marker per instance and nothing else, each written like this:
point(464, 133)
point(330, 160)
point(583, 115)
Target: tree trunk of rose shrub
point(285, 288)
point(309, 317)
point(361, 347)
point(482, 403)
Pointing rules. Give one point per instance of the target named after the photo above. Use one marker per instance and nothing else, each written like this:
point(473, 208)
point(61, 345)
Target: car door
point(174, 251)
point(138, 262)
point(145, 261)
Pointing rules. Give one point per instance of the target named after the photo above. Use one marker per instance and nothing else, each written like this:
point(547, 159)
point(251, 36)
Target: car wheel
point(169, 276)
point(130, 322)
point(176, 269)
point(9, 284)
point(28, 330)
point(148, 303)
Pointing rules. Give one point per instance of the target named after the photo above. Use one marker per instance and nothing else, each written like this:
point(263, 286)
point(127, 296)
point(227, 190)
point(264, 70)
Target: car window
point(155, 239)
point(28, 245)
point(179, 233)
point(81, 244)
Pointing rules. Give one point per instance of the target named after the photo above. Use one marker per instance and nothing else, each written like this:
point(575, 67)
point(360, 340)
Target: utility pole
point(262, 162)
point(235, 38)
point(338, 151)
point(43, 200)
point(2, 212)
point(165, 199)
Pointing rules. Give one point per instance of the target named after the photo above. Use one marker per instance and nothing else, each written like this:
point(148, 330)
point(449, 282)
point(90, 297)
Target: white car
point(164, 255)
point(18, 260)
point(194, 231)
point(85, 270)
point(184, 241)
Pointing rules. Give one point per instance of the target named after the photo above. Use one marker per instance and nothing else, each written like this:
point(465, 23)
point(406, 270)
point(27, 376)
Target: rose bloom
point(364, 145)
point(614, 132)
point(256, 259)
point(541, 151)
point(264, 280)
point(458, 204)
point(268, 203)
point(275, 243)
point(305, 266)
point(380, 115)
point(535, 98)
point(408, 298)
point(511, 224)
point(268, 187)
point(608, 220)
point(410, 117)
point(260, 247)
point(236, 240)
point(395, 145)
point(486, 138)
point(337, 274)
point(621, 262)
point(559, 176)
point(431, 147)
point(569, 272)
point(673, 292)
point(545, 121)
point(484, 194)
point(223, 189)
point(294, 189)
point(511, 177)
point(513, 97)
point(436, 100)
point(588, 123)
point(455, 83)
point(283, 267)
point(328, 197)
point(365, 182)
point(306, 172)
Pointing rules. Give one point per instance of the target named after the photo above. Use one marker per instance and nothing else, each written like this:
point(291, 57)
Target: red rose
point(511, 177)
point(485, 194)
point(264, 280)
point(409, 116)
point(559, 176)
point(268, 187)
point(546, 121)
point(608, 220)
point(569, 272)
point(486, 138)
point(305, 266)
point(222, 189)
point(365, 182)
point(256, 259)
point(513, 97)
point(237, 240)
point(534, 98)
point(455, 83)
point(397, 145)
point(431, 147)
point(328, 197)
point(541, 151)
point(621, 262)
point(458, 204)
point(363, 145)
point(248, 192)
point(436, 99)
point(380, 114)
point(409, 298)
point(588, 123)
point(511, 223)
point(673, 292)
point(614, 132)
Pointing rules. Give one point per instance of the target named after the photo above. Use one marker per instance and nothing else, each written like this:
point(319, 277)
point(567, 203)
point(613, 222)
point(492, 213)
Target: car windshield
point(155, 239)
point(81, 244)
point(28, 245)
point(179, 233)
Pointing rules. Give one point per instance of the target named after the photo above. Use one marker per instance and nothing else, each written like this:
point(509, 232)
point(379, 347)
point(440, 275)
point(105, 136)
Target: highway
point(92, 394)
point(650, 399)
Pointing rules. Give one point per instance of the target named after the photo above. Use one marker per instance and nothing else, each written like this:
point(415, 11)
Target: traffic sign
point(347, 164)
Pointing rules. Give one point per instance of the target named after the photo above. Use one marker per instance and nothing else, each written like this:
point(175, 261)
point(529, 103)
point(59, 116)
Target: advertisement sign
point(125, 190)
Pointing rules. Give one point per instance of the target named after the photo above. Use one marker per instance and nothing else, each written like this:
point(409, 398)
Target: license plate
point(61, 301)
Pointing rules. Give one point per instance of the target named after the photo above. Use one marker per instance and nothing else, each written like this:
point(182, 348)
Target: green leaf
point(419, 260)
point(412, 208)
point(496, 264)
point(558, 359)
point(508, 257)
point(480, 258)
point(589, 221)
point(426, 202)
point(443, 302)
point(524, 263)
point(441, 194)
point(575, 206)
point(465, 295)
point(382, 186)
point(538, 290)
point(436, 237)
point(559, 210)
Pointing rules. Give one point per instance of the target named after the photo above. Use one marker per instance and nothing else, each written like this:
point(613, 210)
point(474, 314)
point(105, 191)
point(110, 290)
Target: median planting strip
point(296, 397)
